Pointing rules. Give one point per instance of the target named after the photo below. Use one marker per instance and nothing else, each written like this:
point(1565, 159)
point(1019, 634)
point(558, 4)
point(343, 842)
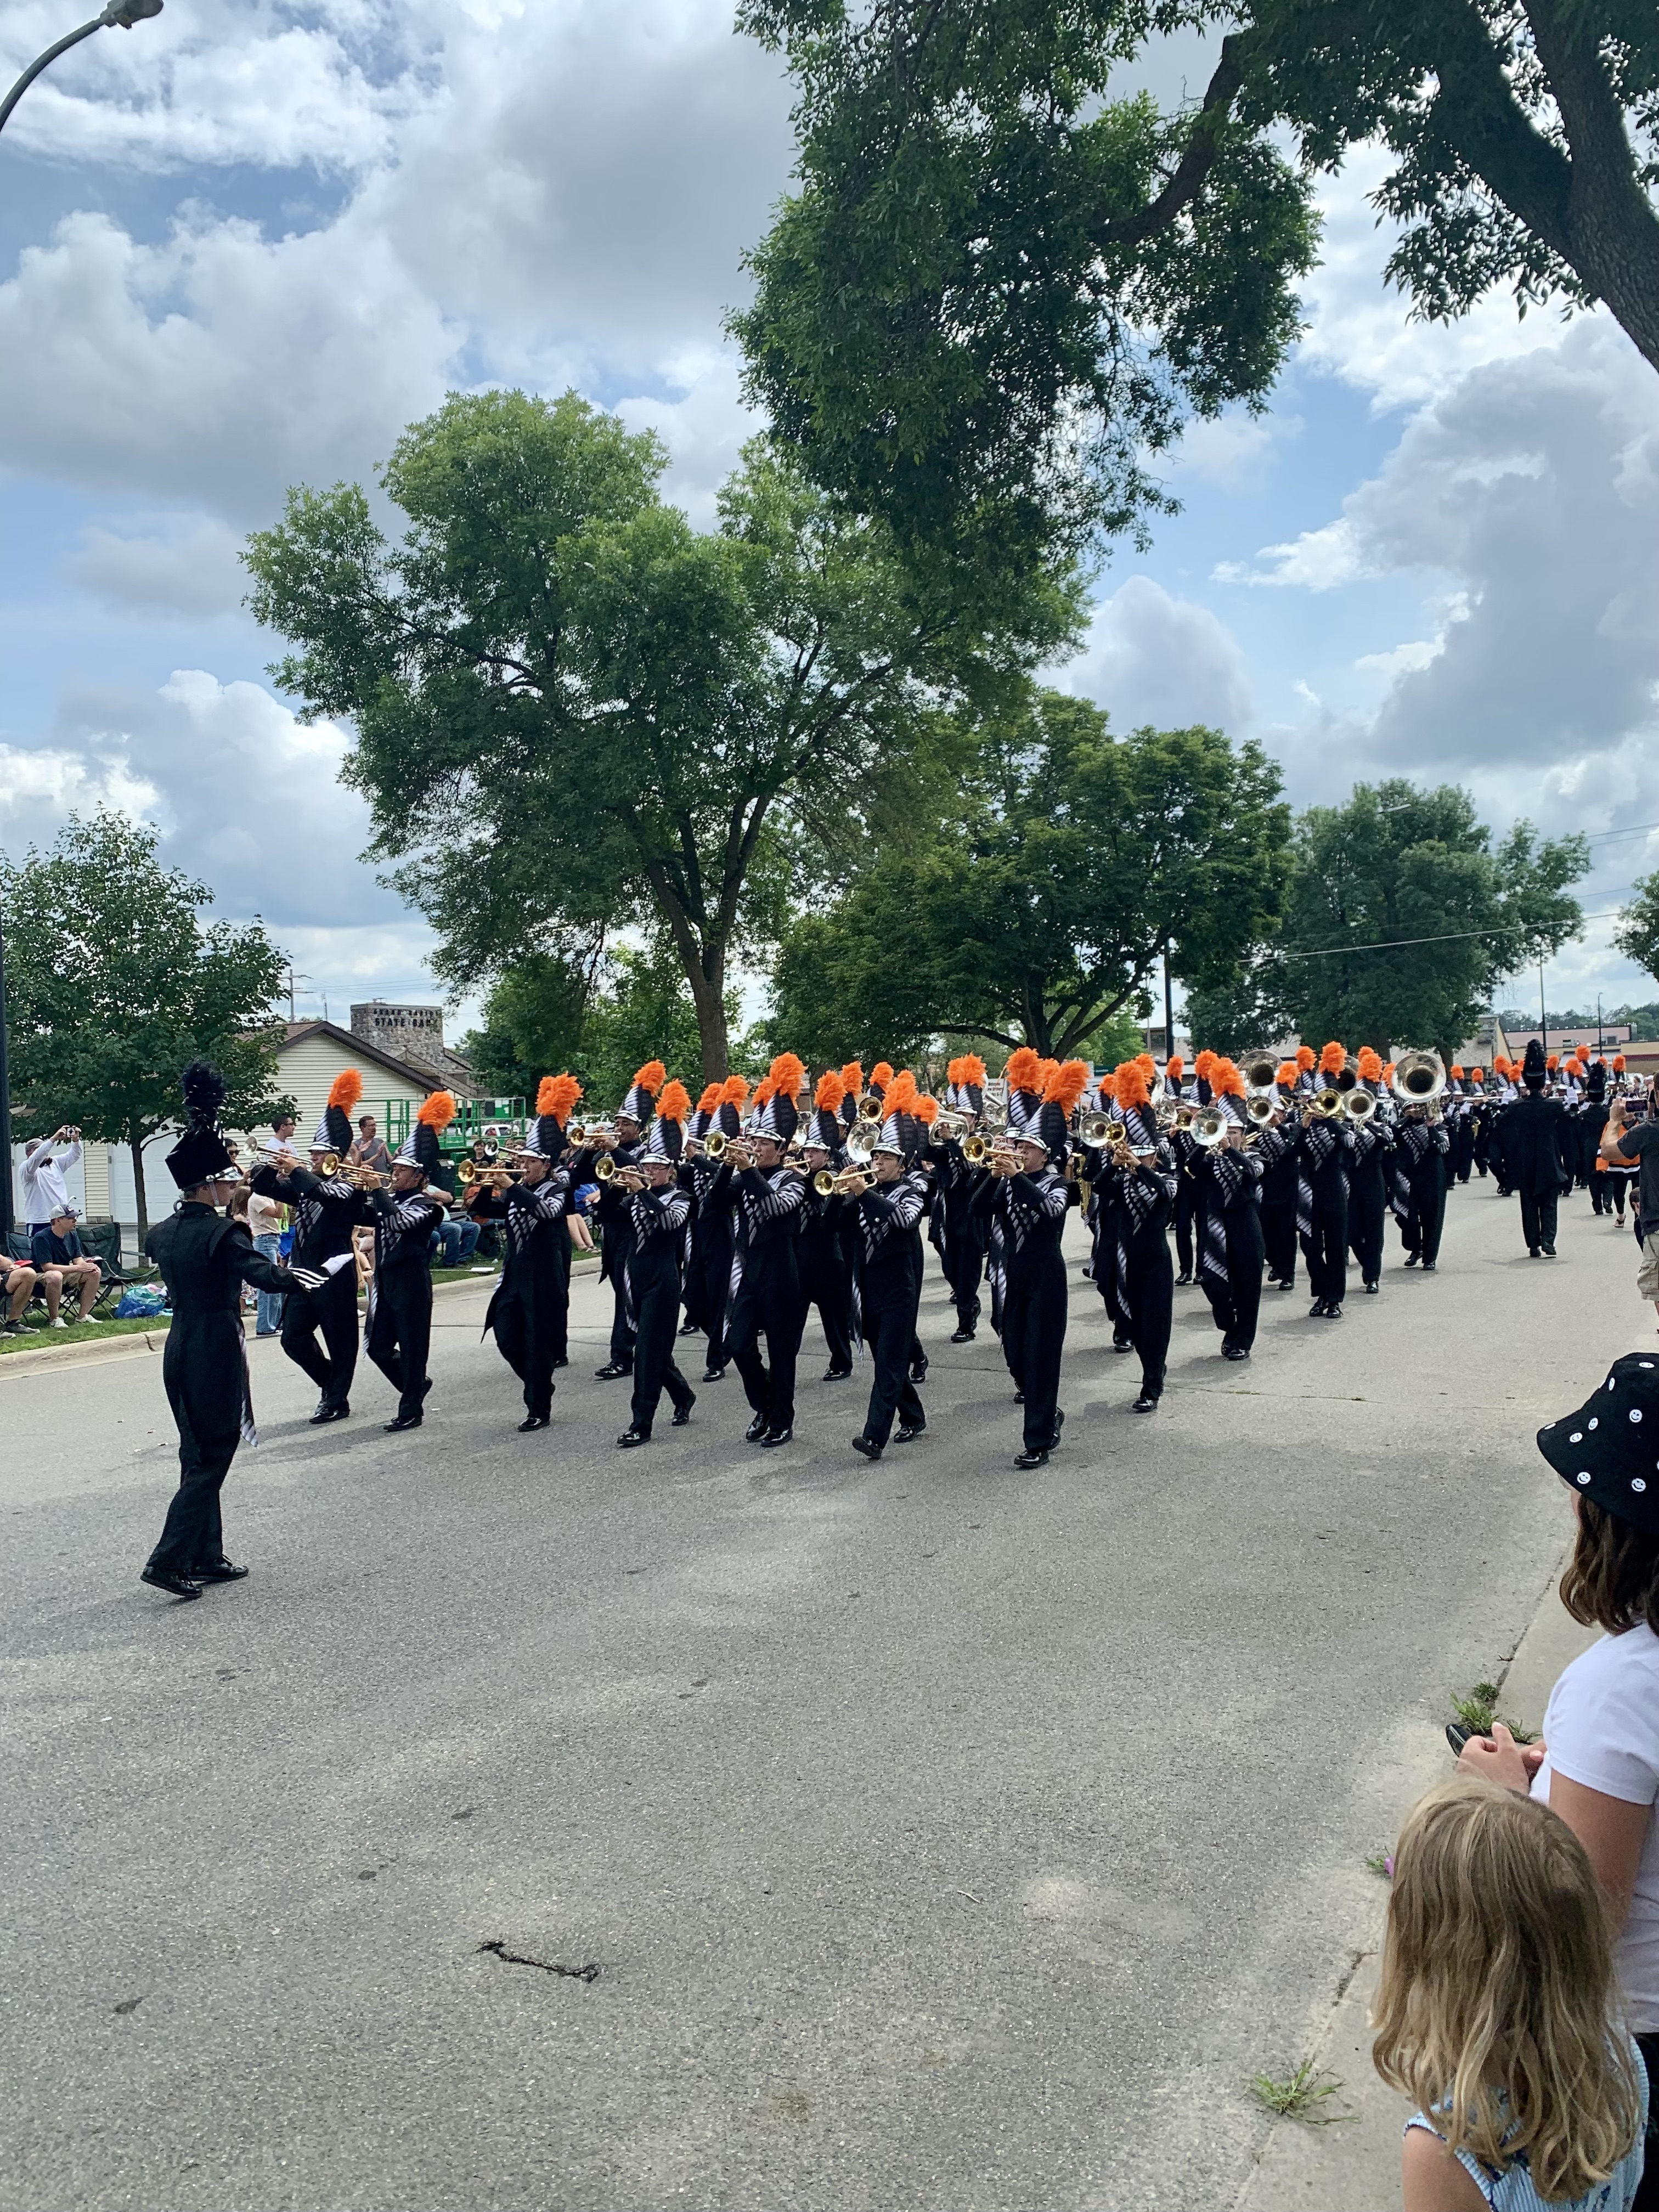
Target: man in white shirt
point(45, 1194)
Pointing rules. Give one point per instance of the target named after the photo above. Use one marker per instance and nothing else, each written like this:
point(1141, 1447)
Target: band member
point(1368, 1190)
point(398, 1334)
point(204, 1258)
point(1024, 1104)
point(659, 1216)
point(711, 1223)
point(528, 1311)
point(695, 1323)
point(852, 1077)
point(1102, 1209)
point(821, 1255)
point(1230, 1248)
point(1592, 1122)
point(1026, 1194)
point(1323, 1151)
point(1531, 1142)
point(327, 1208)
point(765, 1293)
point(1279, 1191)
point(614, 1215)
point(1416, 1184)
point(886, 1205)
point(918, 1112)
point(1144, 1277)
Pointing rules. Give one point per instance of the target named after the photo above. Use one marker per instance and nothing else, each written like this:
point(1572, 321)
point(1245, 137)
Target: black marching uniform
point(1030, 1212)
point(1323, 1151)
point(655, 1277)
point(1368, 1196)
point(529, 1312)
point(1531, 1137)
point(1143, 1274)
point(1279, 1206)
point(765, 1293)
point(1417, 1187)
point(326, 1212)
point(886, 1294)
point(1230, 1247)
point(398, 1335)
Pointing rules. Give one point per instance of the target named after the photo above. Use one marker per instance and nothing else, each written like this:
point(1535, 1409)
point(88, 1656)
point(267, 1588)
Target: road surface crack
point(590, 1972)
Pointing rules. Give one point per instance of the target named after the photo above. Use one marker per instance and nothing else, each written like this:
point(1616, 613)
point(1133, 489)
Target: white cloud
point(186, 567)
point(41, 786)
point(1150, 657)
point(1318, 559)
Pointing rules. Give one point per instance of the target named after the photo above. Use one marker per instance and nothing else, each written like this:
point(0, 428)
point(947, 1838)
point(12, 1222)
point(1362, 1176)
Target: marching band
point(733, 1221)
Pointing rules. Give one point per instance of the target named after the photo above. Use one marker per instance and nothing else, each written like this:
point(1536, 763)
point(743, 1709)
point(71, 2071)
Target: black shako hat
point(1608, 1450)
point(1534, 1069)
point(200, 1155)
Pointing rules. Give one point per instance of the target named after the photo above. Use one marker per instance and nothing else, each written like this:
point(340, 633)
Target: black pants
point(622, 1332)
point(1279, 1237)
point(656, 1318)
point(1368, 1214)
point(333, 1310)
point(1186, 1201)
point(400, 1336)
point(888, 1330)
point(770, 1308)
point(1033, 1341)
point(965, 1267)
point(558, 1322)
point(1538, 1215)
point(1420, 1231)
point(1149, 1286)
point(1236, 1305)
point(826, 1282)
point(1105, 1269)
point(192, 1535)
point(1325, 1251)
point(711, 1262)
point(526, 1336)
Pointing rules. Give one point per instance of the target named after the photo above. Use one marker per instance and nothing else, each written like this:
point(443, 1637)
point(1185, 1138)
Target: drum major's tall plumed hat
point(1534, 1068)
point(201, 1154)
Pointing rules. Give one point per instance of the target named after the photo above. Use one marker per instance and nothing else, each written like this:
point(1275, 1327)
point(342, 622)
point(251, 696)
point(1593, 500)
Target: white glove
point(340, 1260)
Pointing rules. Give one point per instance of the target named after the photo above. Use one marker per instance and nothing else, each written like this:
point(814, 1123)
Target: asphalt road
point(943, 1837)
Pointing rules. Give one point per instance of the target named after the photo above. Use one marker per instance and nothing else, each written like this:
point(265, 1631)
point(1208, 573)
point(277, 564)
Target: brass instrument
point(604, 1167)
point(1325, 1106)
point(1418, 1078)
point(945, 1127)
point(1210, 1129)
point(974, 1149)
point(714, 1145)
point(1359, 1105)
point(869, 1107)
point(1261, 1073)
point(824, 1183)
point(1096, 1129)
point(861, 1141)
point(852, 1182)
point(1260, 1108)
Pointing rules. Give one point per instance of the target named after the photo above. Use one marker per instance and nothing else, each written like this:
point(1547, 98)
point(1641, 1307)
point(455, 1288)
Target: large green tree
point(999, 288)
point(602, 1023)
point(1040, 906)
point(114, 983)
point(573, 712)
point(1636, 935)
point(1449, 910)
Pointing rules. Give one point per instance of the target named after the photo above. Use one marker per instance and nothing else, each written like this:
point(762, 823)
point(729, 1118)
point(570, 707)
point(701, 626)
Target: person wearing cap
point(1324, 1152)
point(527, 1311)
point(710, 1265)
point(326, 1209)
point(1025, 1195)
point(822, 1255)
point(397, 1334)
point(1143, 1276)
point(1368, 1189)
point(660, 1218)
point(612, 1214)
point(1231, 1252)
point(766, 1199)
point(886, 1288)
point(1597, 1765)
point(1532, 1139)
point(1628, 1144)
point(957, 1228)
point(204, 1258)
point(1279, 1194)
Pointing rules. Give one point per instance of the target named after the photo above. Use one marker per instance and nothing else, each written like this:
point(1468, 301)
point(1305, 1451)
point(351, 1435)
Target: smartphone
point(1457, 1735)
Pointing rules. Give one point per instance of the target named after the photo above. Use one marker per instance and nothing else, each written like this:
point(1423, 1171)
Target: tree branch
point(1203, 147)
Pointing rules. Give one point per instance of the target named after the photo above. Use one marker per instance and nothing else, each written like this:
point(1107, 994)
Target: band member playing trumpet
point(659, 1216)
point(885, 1204)
point(1026, 1194)
point(1368, 1195)
point(765, 1295)
point(956, 1228)
point(1229, 1220)
point(398, 1335)
point(326, 1208)
point(614, 1218)
point(823, 1257)
point(1143, 1277)
point(1324, 1148)
point(711, 1223)
point(1279, 1191)
point(527, 1314)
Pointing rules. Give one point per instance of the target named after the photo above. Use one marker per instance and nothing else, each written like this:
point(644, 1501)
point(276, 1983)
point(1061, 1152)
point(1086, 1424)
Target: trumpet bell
point(976, 1149)
point(1261, 1073)
point(1328, 1105)
point(330, 1165)
point(823, 1183)
point(1208, 1129)
point(1359, 1105)
point(714, 1145)
point(466, 1172)
point(1420, 1078)
point(604, 1167)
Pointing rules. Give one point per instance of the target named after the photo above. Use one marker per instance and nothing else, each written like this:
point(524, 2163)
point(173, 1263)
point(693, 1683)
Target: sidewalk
point(1352, 2165)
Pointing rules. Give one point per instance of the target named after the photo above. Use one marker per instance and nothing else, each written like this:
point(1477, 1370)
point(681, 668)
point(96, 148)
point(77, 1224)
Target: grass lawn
point(38, 1334)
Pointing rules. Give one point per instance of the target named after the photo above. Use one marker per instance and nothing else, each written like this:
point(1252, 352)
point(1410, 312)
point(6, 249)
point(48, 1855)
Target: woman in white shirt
point(1598, 1764)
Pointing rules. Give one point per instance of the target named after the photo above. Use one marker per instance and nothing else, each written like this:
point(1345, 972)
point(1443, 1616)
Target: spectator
point(17, 1280)
point(455, 1240)
point(58, 1259)
point(1496, 2012)
point(487, 1145)
point(1622, 1143)
point(1598, 1766)
point(45, 1194)
point(264, 1226)
point(369, 1151)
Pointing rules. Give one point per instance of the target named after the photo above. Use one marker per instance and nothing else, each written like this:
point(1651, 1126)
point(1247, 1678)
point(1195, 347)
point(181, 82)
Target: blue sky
point(242, 245)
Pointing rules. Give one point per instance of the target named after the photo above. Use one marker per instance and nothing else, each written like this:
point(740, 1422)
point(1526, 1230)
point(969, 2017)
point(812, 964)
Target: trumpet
point(824, 1183)
point(945, 1127)
point(604, 1167)
point(851, 1183)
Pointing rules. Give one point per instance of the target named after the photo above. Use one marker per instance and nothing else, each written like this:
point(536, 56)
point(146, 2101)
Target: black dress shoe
point(1371, 1289)
point(1234, 1351)
point(403, 1421)
point(221, 1571)
point(962, 1336)
point(562, 1363)
point(162, 1578)
point(908, 1436)
point(918, 1370)
point(329, 1413)
point(690, 1328)
point(612, 1371)
point(1429, 1265)
point(862, 1444)
point(1019, 1397)
point(1144, 1405)
point(1533, 1252)
point(683, 1413)
point(1334, 1310)
point(532, 1421)
point(631, 1437)
point(1288, 1283)
point(1411, 1259)
point(1032, 1458)
point(713, 1375)
point(1122, 1344)
point(1549, 1254)
point(776, 1437)
point(1182, 1281)
point(756, 1430)
point(1060, 1423)
point(836, 1374)
point(1316, 1311)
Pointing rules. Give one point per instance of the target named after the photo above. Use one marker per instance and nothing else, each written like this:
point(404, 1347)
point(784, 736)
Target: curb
point(1355, 2164)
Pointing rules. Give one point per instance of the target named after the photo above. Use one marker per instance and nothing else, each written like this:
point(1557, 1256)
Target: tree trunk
point(138, 1145)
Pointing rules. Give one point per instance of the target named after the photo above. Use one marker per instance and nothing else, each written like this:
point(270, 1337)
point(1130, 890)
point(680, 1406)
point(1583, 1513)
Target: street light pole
point(124, 13)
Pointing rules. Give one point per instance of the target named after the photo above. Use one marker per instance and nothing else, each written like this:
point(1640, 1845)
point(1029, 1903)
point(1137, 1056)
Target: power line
point(1451, 937)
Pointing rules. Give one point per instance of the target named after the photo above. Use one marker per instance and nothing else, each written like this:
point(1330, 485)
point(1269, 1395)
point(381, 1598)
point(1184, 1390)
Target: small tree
point(114, 984)
point(1636, 935)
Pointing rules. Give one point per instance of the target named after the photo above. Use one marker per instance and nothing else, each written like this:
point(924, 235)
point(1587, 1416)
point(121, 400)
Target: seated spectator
point(1496, 2014)
point(455, 1240)
point(17, 1280)
point(58, 1260)
point(487, 1145)
point(369, 1150)
point(1598, 1764)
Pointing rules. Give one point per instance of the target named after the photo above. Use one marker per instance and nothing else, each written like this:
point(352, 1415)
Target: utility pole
point(1169, 1006)
point(1543, 1011)
point(1598, 1024)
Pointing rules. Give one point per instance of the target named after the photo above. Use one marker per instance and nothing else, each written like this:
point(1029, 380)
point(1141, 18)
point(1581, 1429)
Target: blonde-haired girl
point(1496, 2014)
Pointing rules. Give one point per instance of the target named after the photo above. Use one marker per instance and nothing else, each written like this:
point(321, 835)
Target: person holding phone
point(1637, 1143)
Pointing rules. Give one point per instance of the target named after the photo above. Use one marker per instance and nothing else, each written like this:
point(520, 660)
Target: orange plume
point(926, 1108)
point(882, 1074)
point(901, 1094)
point(973, 1070)
point(853, 1076)
point(1067, 1084)
point(1553, 1061)
point(1371, 1064)
point(1022, 1069)
point(1144, 1059)
point(1130, 1084)
point(787, 1075)
point(673, 1103)
point(1477, 1075)
point(1285, 1073)
point(1304, 1059)
point(346, 1089)
point(1333, 1059)
point(734, 1092)
point(1107, 1086)
point(1203, 1066)
point(763, 1091)
point(953, 1070)
point(1045, 1073)
point(566, 1090)
point(1175, 1068)
point(1501, 1063)
point(1225, 1080)
point(439, 1110)
point(652, 1077)
point(710, 1098)
point(830, 1092)
point(1619, 1063)
point(1455, 1071)
point(544, 1095)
